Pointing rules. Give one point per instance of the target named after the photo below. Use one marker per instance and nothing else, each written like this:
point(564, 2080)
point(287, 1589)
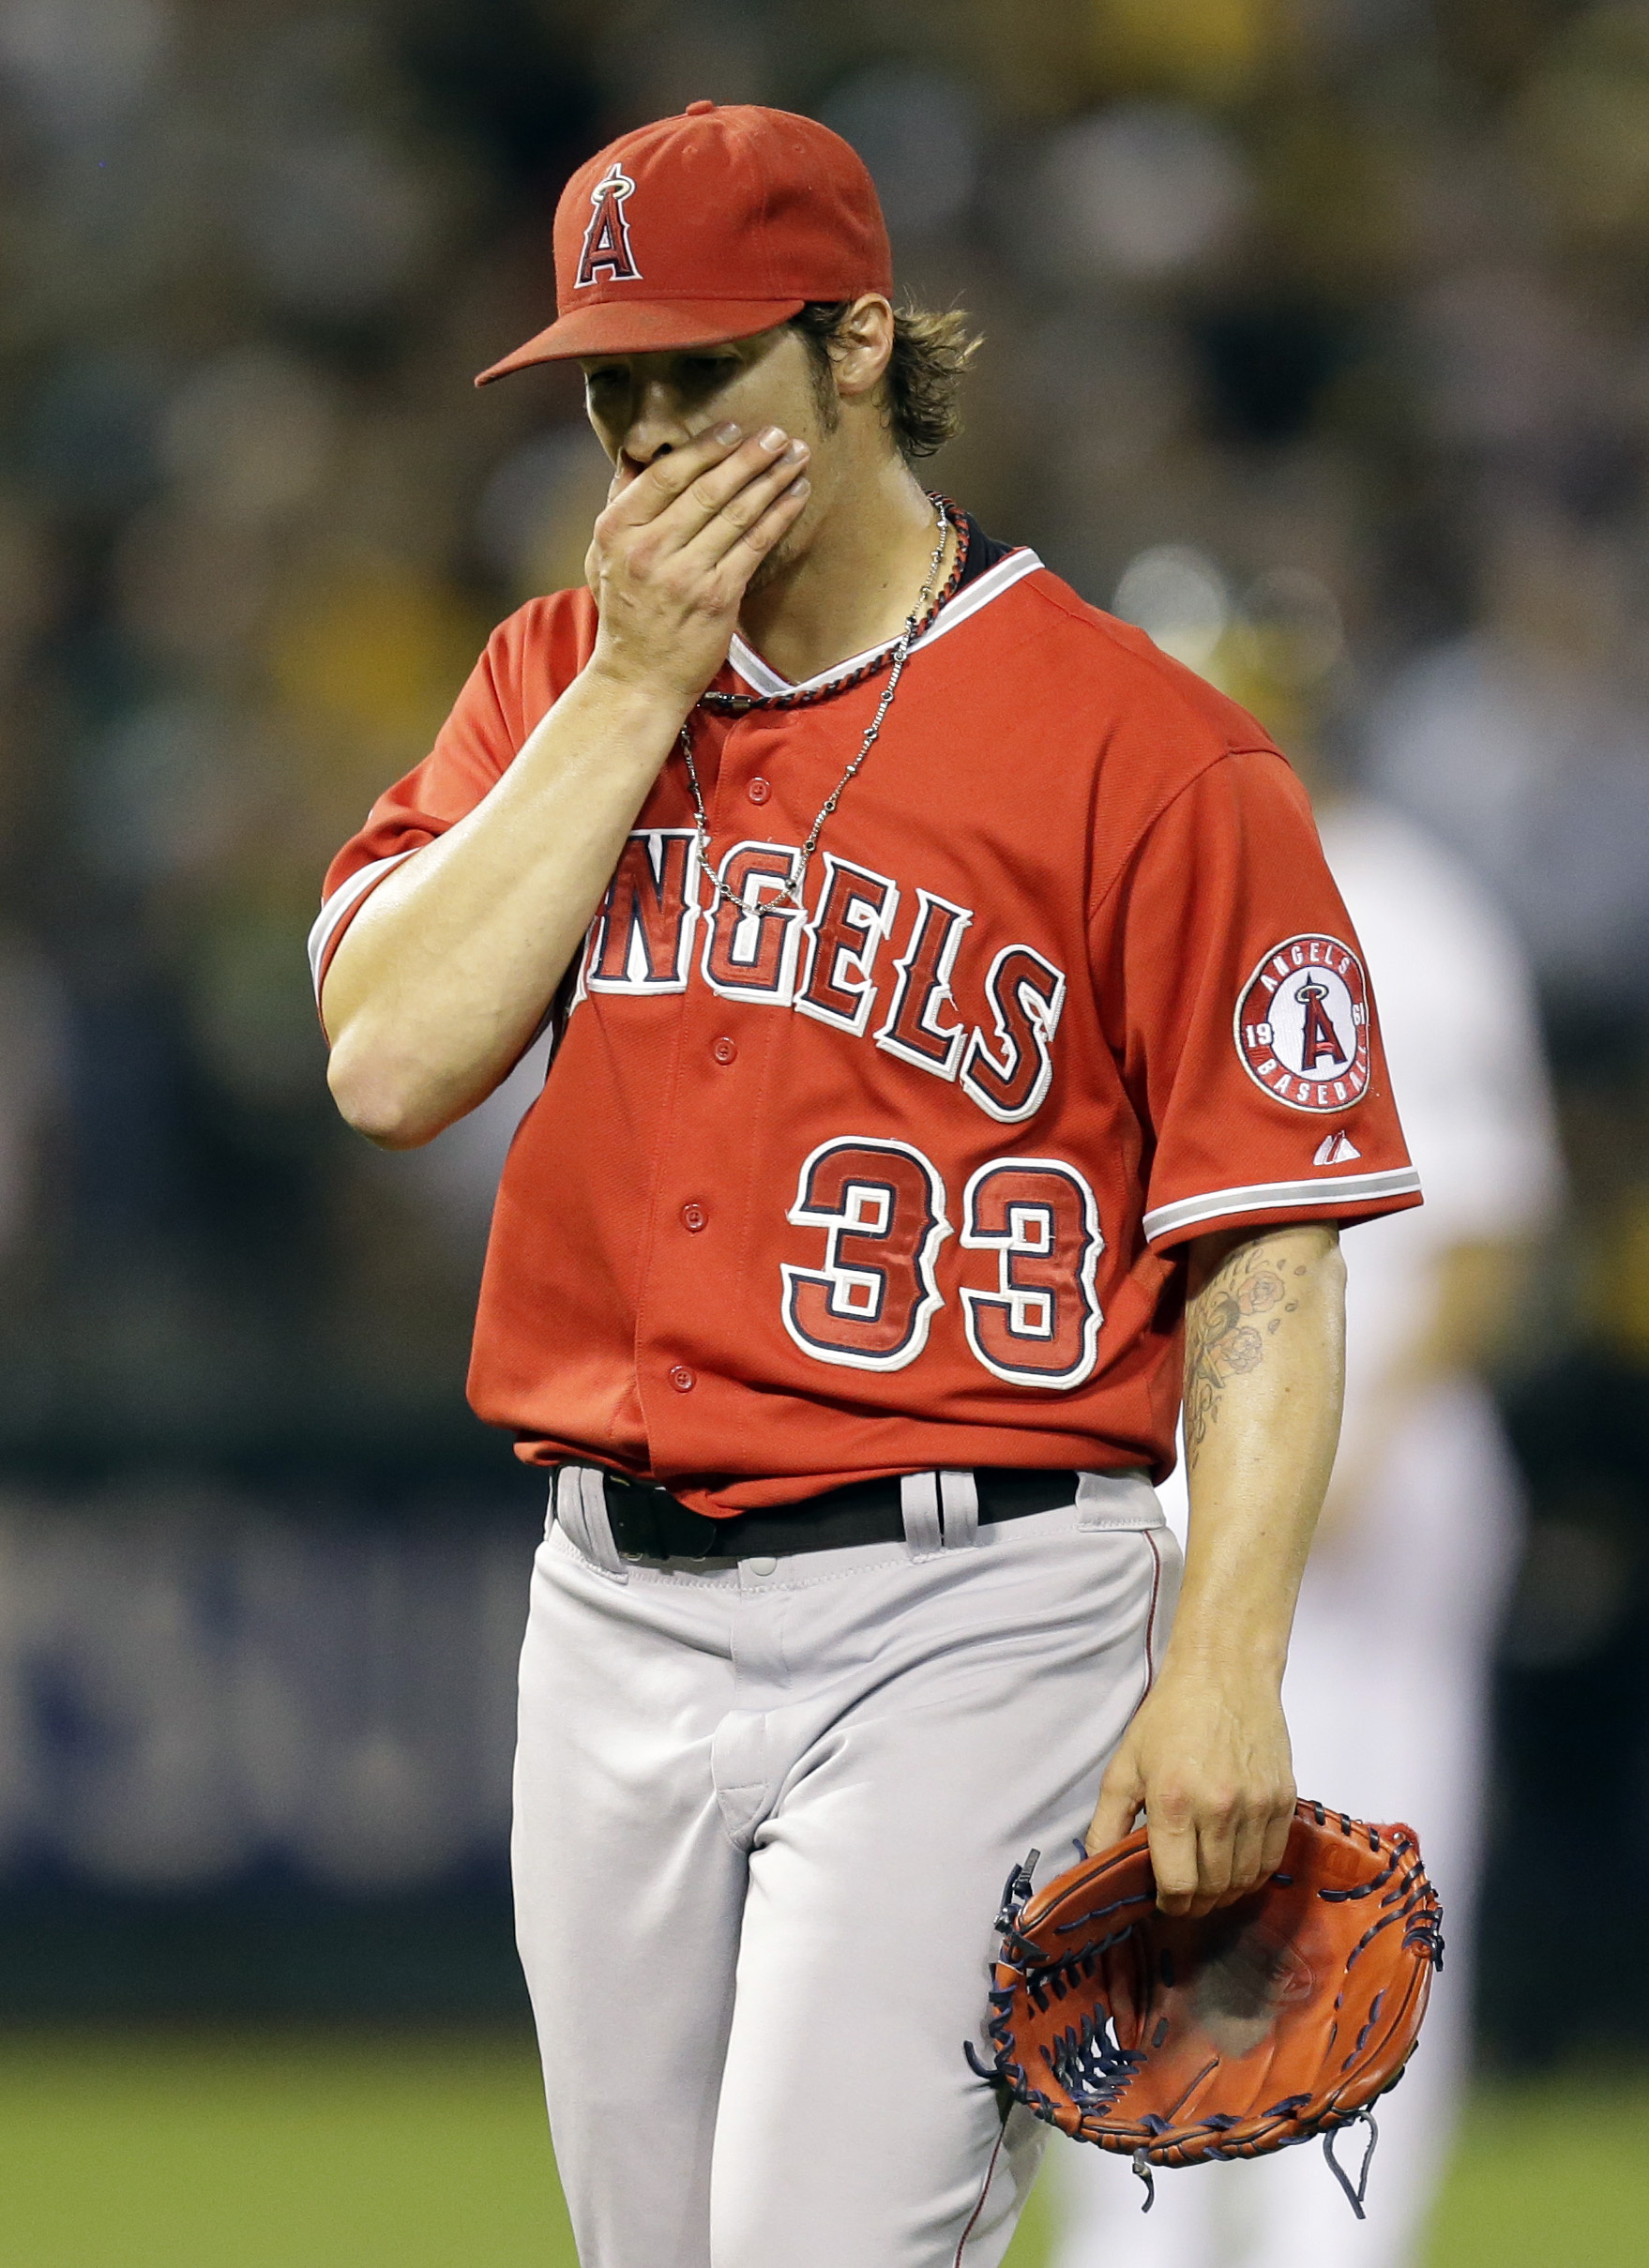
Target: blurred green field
point(318, 2150)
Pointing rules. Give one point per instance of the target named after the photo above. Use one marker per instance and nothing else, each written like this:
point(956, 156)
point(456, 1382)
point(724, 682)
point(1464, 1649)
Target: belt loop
point(570, 1508)
point(581, 1509)
point(592, 1487)
point(918, 1500)
point(1117, 1500)
point(959, 1494)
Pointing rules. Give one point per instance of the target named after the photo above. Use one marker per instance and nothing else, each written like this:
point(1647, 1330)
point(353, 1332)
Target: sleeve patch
point(1302, 1024)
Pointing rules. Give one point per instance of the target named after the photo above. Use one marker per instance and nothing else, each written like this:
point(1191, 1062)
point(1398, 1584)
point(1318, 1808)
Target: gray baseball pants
point(764, 1813)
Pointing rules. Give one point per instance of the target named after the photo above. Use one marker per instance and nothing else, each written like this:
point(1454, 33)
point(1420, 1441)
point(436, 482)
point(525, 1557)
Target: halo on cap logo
point(607, 250)
point(1302, 1024)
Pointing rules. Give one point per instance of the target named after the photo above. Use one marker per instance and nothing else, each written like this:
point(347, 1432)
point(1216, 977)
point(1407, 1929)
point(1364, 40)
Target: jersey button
point(694, 1218)
point(682, 1379)
point(725, 1051)
point(763, 1567)
point(759, 790)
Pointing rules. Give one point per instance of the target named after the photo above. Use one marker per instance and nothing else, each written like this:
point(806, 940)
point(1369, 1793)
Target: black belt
point(649, 1524)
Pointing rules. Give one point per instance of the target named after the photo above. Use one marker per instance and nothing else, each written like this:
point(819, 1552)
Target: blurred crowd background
point(1318, 341)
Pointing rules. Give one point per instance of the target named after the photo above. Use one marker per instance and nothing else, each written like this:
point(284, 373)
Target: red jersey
point(896, 1181)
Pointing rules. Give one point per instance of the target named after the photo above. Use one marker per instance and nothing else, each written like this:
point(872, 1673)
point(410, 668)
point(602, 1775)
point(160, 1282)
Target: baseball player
point(955, 1023)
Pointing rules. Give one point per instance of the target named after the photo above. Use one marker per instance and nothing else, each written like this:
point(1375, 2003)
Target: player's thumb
point(1120, 1794)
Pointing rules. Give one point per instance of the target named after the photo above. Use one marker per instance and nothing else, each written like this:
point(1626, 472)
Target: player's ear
point(860, 346)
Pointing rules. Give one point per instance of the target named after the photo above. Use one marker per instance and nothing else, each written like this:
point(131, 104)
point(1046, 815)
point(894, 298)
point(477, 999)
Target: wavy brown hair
point(923, 379)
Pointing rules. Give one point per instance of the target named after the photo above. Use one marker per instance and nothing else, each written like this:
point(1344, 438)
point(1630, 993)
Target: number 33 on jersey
point(882, 1206)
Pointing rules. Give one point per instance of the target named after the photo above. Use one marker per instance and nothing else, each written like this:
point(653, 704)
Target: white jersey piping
point(1270, 1195)
point(968, 601)
point(343, 899)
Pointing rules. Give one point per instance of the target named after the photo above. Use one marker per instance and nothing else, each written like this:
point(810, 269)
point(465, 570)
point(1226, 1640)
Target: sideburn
point(817, 330)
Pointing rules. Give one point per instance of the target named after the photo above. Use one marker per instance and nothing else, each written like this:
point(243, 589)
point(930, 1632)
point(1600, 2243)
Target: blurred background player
point(1387, 1685)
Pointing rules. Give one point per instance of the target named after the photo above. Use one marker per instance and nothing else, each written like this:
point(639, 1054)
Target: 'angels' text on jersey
point(652, 928)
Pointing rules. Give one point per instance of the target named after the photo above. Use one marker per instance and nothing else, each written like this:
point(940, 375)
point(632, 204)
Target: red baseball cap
point(713, 225)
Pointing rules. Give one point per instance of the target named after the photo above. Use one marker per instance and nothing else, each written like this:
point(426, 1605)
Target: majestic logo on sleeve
point(607, 250)
point(1302, 1024)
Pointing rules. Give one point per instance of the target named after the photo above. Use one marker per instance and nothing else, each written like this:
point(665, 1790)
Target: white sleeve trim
point(1268, 1196)
point(343, 900)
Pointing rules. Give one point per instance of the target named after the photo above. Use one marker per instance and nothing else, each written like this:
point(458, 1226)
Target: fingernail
point(798, 488)
point(727, 433)
point(772, 437)
point(796, 452)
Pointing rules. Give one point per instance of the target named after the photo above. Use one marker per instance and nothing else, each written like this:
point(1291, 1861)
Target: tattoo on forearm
point(1227, 1327)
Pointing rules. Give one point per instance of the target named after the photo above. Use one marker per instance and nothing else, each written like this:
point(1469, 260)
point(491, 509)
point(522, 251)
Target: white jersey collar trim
point(967, 602)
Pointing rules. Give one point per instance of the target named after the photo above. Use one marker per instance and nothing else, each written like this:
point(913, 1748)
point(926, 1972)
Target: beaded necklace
point(916, 621)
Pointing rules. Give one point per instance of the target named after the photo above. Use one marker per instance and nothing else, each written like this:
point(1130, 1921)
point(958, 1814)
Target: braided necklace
point(790, 895)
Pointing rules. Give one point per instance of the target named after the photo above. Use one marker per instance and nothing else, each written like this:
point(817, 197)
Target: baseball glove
point(1261, 2024)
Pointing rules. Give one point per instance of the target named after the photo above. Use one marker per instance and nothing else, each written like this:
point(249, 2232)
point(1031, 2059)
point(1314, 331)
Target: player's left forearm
point(1264, 1372)
point(1206, 1757)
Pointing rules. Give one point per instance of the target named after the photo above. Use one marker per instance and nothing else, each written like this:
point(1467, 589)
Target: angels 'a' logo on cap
point(1302, 1024)
point(607, 248)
